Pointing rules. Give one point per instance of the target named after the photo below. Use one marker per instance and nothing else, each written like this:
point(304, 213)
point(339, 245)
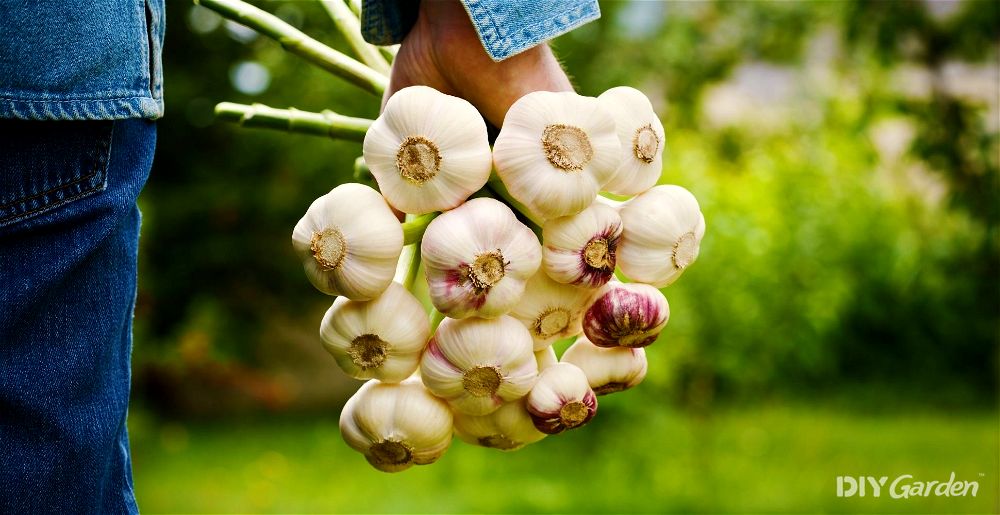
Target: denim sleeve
point(505, 27)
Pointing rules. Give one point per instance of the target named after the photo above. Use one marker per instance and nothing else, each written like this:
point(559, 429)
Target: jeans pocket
point(48, 164)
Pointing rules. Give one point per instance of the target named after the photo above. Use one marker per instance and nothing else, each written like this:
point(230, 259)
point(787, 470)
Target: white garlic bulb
point(396, 425)
point(477, 258)
point(663, 229)
point(581, 249)
point(555, 151)
point(551, 311)
point(627, 315)
point(428, 151)
point(508, 428)
point(477, 364)
point(641, 135)
point(561, 399)
point(381, 338)
point(608, 370)
point(349, 241)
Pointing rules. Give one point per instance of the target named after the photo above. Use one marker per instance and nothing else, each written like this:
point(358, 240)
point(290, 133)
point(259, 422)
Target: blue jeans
point(69, 231)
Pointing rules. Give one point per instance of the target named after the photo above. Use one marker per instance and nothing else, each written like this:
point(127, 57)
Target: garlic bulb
point(396, 426)
point(663, 229)
point(551, 311)
point(627, 315)
point(561, 399)
point(477, 258)
point(581, 249)
point(608, 370)
point(428, 151)
point(555, 151)
point(349, 241)
point(546, 358)
point(381, 338)
point(641, 135)
point(508, 428)
point(477, 364)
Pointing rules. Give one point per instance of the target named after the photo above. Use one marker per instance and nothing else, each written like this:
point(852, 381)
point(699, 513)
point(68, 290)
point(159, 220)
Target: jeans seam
point(103, 155)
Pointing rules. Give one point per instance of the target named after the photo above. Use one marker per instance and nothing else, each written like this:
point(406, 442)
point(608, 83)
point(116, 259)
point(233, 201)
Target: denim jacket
point(505, 27)
point(81, 59)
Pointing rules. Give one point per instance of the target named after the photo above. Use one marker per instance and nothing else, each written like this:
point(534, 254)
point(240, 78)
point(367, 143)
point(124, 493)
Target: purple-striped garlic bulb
point(477, 364)
point(610, 369)
point(626, 315)
point(581, 249)
point(561, 399)
point(477, 259)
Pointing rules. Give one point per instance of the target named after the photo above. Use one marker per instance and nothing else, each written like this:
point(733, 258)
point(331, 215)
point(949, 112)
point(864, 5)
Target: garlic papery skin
point(561, 399)
point(381, 338)
point(546, 358)
point(477, 364)
point(581, 249)
point(477, 259)
point(349, 241)
point(551, 311)
point(642, 138)
point(608, 370)
point(396, 425)
point(555, 151)
point(626, 315)
point(428, 151)
point(508, 428)
point(662, 234)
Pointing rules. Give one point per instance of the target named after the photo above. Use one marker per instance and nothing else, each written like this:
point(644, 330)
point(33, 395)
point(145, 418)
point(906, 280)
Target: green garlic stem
point(348, 24)
point(355, 7)
point(497, 188)
point(297, 42)
point(436, 318)
point(413, 230)
point(326, 123)
point(361, 171)
point(412, 269)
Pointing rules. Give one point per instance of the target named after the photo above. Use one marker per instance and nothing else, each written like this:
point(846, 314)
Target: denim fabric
point(81, 59)
point(69, 229)
point(505, 27)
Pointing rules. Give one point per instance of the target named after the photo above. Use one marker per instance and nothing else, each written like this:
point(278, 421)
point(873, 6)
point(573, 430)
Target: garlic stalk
point(608, 370)
point(326, 123)
point(381, 338)
point(477, 364)
point(428, 151)
point(662, 234)
point(561, 399)
point(508, 428)
point(555, 151)
point(297, 42)
point(581, 249)
point(627, 315)
point(546, 358)
point(349, 241)
point(551, 311)
point(477, 258)
point(396, 426)
point(641, 135)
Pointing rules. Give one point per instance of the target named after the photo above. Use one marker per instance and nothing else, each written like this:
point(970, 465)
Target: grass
point(774, 459)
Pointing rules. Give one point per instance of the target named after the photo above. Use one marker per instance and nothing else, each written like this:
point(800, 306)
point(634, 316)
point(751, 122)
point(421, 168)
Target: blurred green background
point(843, 318)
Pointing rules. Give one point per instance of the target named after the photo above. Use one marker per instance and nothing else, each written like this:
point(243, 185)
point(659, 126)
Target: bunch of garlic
point(529, 260)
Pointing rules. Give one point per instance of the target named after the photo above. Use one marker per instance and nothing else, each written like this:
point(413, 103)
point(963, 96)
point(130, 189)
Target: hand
point(443, 51)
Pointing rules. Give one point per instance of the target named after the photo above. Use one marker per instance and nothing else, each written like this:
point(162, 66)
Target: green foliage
point(773, 460)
